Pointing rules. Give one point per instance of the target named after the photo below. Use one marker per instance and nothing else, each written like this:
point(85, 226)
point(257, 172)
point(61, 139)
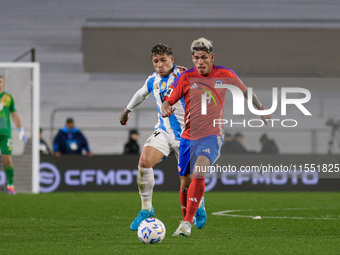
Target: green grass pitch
point(98, 223)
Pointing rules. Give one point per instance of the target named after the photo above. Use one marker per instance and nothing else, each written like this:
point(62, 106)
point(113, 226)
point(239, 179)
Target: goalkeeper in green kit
point(7, 108)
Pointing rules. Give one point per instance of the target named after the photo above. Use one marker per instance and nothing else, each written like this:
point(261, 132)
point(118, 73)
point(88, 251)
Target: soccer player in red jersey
point(204, 92)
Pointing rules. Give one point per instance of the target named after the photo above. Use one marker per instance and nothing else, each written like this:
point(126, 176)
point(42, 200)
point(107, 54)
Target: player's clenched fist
point(124, 117)
point(166, 109)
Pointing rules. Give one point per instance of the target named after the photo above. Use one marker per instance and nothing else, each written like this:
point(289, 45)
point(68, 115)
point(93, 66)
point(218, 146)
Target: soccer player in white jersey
point(166, 135)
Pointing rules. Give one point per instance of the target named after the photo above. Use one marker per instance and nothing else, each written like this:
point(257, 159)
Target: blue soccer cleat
point(201, 215)
point(142, 215)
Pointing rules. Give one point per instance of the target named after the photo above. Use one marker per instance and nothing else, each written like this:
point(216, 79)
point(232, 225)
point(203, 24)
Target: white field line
point(230, 213)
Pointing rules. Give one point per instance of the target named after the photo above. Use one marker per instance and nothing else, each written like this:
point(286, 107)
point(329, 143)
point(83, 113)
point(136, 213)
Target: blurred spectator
point(238, 144)
point(43, 147)
point(268, 145)
point(233, 145)
point(228, 144)
point(70, 140)
point(132, 147)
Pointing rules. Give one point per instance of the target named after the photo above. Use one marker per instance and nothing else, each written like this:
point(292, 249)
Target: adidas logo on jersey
point(207, 150)
point(194, 86)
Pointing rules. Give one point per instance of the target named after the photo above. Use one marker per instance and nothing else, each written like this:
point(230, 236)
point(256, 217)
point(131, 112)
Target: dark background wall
point(274, 52)
point(119, 173)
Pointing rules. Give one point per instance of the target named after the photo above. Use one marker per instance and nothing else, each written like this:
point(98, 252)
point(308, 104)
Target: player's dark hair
point(1, 76)
point(161, 49)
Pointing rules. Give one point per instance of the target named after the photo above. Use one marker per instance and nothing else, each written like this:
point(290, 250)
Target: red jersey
point(204, 99)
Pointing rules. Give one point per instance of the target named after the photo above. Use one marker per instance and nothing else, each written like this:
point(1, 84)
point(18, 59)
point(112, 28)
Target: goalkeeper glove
point(22, 136)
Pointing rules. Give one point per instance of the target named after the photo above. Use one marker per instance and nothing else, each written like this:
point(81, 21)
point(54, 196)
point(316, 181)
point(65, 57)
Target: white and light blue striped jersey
point(158, 86)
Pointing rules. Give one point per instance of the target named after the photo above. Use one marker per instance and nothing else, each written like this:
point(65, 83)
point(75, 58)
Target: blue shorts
point(189, 151)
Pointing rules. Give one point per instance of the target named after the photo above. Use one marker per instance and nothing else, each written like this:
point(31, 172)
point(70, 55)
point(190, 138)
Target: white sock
point(146, 181)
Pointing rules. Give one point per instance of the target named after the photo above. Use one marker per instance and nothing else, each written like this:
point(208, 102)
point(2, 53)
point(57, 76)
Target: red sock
point(183, 199)
point(195, 194)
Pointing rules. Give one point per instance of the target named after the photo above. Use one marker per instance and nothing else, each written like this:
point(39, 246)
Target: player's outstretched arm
point(124, 117)
point(136, 100)
point(166, 109)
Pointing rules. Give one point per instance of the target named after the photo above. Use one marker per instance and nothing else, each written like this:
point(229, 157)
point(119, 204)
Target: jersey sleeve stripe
point(232, 72)
point(174, 84)
point(223, 67)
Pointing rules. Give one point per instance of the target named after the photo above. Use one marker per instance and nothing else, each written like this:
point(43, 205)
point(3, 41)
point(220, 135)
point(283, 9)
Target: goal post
point(22, 80)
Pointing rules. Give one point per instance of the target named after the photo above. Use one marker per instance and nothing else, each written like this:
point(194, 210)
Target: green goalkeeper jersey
point(6, 108)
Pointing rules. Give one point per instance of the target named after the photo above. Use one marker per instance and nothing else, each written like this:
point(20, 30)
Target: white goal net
point(22, 81)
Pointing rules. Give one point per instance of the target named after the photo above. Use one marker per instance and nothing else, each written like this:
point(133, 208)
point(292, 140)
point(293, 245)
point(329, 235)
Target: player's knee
point(185, 183)
point(7, 161)
point(145, 162)
point(184, 188)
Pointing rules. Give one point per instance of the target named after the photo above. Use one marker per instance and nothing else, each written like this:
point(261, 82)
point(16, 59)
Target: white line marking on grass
point(229, 213)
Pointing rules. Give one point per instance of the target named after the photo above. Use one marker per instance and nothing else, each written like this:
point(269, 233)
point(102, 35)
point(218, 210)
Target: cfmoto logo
point(49, 177)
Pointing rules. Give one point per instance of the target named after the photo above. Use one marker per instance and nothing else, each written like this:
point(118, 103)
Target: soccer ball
point(151, 230)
